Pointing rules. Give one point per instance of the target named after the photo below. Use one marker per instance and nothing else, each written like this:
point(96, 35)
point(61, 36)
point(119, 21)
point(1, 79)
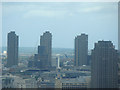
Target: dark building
point(41, 50)
point(89, 60)
point(12, 49)
point(81, 50)
point(46, 41)
point(104, 68)
point(43, 58)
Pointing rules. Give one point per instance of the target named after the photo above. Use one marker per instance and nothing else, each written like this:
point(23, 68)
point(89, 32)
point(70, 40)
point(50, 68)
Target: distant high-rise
point(104, 68)
point(43, 58)
point(81, 50)
point(46, 41)
point(12, 49)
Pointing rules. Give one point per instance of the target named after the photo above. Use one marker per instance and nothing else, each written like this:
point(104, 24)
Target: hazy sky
point(63, 20)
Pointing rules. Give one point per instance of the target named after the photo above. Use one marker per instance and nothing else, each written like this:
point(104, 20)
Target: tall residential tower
point(12, 49)
point(46, 41)
point(104, 68)
point(43, 58)
point(81, 50)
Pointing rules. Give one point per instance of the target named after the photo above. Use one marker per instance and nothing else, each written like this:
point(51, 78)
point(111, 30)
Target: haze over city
point(64, 20)
point(70, 45)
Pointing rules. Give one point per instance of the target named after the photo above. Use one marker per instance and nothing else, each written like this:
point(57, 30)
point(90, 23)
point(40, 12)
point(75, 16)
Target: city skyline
point(66, 45)
point(104, 60)
point(63, 19)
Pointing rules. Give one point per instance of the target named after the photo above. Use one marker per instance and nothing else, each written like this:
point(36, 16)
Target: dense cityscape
point(65, 69)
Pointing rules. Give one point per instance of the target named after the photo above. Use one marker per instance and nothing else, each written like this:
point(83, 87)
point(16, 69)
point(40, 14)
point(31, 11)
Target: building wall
point(81, 50)
point(104, 69)
point(12, 49)
point(46, 41)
